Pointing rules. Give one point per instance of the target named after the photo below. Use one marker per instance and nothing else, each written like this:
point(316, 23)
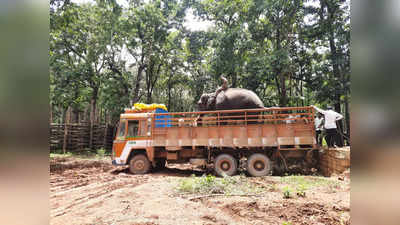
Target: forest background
point(106, 55)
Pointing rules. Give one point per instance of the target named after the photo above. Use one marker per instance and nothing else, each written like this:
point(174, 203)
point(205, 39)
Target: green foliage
point(208, 184)
point(287, 192)
point(301, 190)
point(101, 152)
point(303, 183)
point(104, 57)
point(286, 223)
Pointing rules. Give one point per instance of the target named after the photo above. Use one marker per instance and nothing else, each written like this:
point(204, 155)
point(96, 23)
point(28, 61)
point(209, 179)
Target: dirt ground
point(89, 191)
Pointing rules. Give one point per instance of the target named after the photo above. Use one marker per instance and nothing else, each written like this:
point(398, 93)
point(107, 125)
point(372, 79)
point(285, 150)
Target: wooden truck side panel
point(264, 135)
point(265, 131)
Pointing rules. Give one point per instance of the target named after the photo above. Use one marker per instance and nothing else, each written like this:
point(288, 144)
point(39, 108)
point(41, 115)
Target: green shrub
point(101, 152)
point(208, 184)
point(301, 190)
point(287, 192)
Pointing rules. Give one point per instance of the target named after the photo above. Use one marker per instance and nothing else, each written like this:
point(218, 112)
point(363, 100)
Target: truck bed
point(283, 128)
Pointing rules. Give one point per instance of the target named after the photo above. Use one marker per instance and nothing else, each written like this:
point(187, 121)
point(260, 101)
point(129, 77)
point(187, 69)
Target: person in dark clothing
point(330, 117)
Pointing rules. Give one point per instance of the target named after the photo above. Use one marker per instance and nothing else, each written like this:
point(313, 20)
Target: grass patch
point(83, 154)
point(236, 185)
point(60, 155)
point(307, 182)
point(303, 183)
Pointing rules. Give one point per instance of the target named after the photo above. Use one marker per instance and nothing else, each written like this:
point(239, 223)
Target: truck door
point(119, 141)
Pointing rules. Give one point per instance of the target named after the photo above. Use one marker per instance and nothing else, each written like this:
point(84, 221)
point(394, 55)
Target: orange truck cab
point(148, 137)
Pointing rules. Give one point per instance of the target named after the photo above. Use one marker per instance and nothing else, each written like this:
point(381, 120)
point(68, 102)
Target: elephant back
point(238, 98)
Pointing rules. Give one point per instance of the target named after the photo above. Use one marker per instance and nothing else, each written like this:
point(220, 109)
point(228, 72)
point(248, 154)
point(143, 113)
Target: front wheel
point(258, 165)
point(225, 164)
point(139, 164)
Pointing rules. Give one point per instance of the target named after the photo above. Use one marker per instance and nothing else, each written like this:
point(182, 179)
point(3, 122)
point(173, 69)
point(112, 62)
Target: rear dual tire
point(225, 164)
point(258, 165)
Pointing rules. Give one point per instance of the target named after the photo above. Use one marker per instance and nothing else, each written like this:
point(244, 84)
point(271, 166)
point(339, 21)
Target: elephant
point(225, 98)
point(231, 98)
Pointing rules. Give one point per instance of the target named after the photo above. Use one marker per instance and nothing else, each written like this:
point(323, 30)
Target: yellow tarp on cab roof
point(142, 106)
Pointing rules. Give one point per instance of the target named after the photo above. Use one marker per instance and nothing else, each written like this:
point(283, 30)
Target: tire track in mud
point(64, 202)
point(90, 195)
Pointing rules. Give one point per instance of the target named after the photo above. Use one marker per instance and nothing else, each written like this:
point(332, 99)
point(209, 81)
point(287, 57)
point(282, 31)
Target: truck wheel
point(258, 165)
point(139, 164)
point(225, 164)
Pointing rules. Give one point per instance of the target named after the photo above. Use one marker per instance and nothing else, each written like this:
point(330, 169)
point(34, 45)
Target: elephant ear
point(221, 99)
point(211, 102)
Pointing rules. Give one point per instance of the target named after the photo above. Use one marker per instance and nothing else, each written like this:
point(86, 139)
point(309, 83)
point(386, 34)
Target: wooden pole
point(66, 123)
point(105, 136)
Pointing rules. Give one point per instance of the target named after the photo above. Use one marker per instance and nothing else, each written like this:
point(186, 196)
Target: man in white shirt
point(318, 128)
point(330, 124)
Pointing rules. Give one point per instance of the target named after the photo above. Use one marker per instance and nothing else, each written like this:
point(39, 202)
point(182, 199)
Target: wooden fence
point(77, 137)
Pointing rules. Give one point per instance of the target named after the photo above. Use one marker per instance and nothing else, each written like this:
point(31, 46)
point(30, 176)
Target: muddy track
point(88, 192)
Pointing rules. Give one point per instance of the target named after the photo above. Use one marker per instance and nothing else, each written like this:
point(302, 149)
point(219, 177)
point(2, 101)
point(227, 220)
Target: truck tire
point(225, 164)
point(258, 165)
point(139, 164)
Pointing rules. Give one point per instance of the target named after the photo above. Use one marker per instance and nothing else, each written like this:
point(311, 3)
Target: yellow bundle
point(142, 106)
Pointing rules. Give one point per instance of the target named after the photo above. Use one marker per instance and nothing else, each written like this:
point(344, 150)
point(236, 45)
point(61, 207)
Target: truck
point(257, 139)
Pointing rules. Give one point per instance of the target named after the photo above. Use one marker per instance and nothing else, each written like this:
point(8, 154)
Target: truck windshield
point(121, 130)
point(133, 127)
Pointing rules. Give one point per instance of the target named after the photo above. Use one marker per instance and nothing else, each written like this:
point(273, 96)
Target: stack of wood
point(334, 160)
point(56, 136)
point(103, 135)
point(77, 136)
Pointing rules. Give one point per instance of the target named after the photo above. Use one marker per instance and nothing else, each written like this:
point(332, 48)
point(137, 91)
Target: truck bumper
point(114, 162)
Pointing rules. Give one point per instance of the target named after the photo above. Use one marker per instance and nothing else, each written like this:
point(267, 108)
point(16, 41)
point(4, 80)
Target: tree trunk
point(66, 123)
point(283, 97)
point(93, 103)
point(281, 79)
point(135, 96)
point(169, 90)
point(105, 136)
point(75, 115)
point(51, 115)
point(347, 118)
point(336, 73)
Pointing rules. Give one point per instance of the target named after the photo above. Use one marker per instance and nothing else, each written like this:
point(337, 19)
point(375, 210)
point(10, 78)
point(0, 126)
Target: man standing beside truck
point(330, 117)
point(318, 128)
